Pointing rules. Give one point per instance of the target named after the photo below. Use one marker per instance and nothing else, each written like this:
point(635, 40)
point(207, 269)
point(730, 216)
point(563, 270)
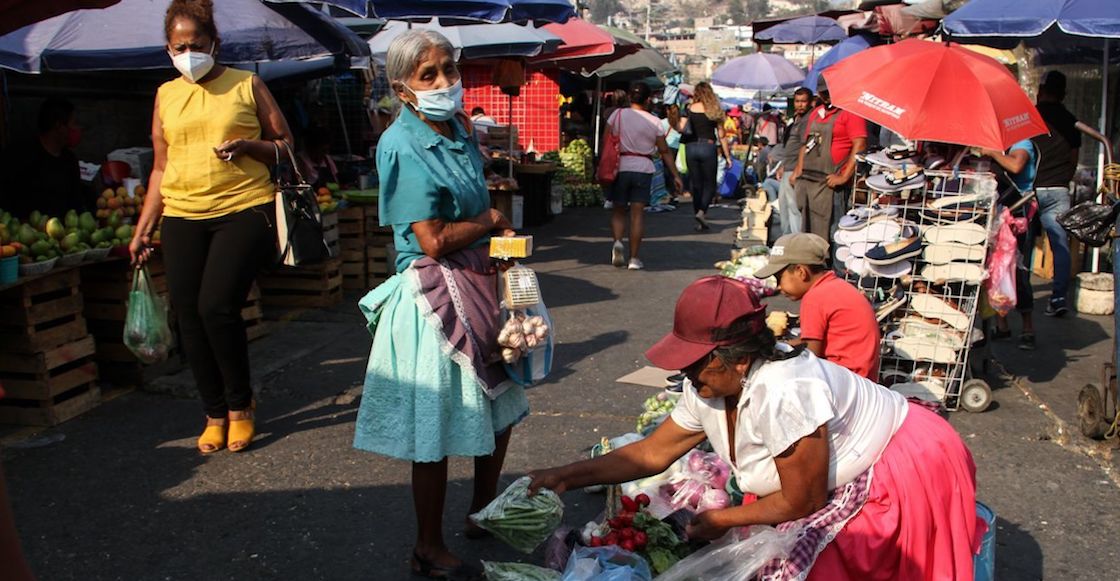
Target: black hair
point(639, 93)
point(759, 343)
point(477, 111)
point(53, 112)
point(804, 91)
point(816, 268)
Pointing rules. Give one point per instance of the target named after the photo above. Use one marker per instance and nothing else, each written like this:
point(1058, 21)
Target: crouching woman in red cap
point(885, 489)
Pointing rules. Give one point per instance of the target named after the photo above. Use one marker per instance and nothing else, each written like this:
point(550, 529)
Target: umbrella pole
point(341, 117)
point(1101, 156)
point(598, 110)
point(511, 136)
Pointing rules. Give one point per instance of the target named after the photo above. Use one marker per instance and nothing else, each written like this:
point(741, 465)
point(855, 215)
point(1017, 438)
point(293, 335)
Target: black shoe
point(1026, 341)
point(1056, 308)
point(998, 335)
point(464, 572)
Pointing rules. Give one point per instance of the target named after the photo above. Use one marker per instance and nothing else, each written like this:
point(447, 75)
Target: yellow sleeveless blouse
point(197, 118)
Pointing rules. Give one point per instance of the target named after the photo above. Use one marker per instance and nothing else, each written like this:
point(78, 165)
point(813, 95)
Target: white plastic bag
point(739, 555)
point(535, 364)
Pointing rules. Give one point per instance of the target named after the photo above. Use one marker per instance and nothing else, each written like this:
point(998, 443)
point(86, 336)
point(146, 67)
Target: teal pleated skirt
point(418, 403)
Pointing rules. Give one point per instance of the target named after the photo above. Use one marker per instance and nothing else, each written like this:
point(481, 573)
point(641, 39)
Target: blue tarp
point(129, 36)
point(804, 30)
point(836, 54)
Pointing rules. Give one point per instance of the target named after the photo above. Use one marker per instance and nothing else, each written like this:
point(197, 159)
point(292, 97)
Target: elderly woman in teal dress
point(434, 384)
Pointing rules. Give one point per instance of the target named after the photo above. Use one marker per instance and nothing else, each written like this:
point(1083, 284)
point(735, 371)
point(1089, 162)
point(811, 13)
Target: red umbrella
point(932, 91)
point(581, 40)
point(15, 14)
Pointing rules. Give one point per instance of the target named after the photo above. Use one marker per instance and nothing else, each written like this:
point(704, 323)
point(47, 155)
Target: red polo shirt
point(837, 314)
point(848, 127)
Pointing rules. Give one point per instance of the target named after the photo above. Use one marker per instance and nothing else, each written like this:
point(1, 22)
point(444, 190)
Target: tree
point(736, 12)
point(603, 9)
point(758, 9)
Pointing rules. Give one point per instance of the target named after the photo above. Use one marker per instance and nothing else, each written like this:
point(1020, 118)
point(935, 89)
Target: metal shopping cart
point(920, 255)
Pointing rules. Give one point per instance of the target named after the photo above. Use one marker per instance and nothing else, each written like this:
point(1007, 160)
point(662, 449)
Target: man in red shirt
point(826, 164)
point(837, 322)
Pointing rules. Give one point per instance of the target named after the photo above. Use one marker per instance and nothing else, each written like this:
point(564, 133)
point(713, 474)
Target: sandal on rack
point(422, 567)
point(213, 438)
point(241, 431)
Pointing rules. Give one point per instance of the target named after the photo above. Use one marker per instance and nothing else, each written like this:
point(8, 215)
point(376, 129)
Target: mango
point(70, 219)
point(55, 229)
point(87, 222)
point(114, 220)
point(124, 232)
point(27, 235)
point(40, 248)
point(70, 243)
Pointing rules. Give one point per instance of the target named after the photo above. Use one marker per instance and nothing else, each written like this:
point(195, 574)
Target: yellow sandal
point(213, 436)
point(242, 430)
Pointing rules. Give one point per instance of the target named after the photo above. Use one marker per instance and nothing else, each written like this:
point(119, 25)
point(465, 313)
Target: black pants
point(702, 168)
point(211, 265)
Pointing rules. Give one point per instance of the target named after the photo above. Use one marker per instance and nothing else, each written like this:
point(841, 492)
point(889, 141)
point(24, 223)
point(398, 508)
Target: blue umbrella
point(804, 30)
point(845, 49)
point(477, 10)
point(759, 72)
point(474, 41)
point(1031, 18)
point(129, 36)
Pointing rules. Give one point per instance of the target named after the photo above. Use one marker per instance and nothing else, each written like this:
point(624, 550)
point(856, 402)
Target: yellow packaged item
point(507, 247)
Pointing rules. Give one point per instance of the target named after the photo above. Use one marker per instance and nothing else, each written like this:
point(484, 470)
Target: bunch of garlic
point(520, 335)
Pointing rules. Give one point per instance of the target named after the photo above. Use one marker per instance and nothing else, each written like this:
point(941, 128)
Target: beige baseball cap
point(799, 248)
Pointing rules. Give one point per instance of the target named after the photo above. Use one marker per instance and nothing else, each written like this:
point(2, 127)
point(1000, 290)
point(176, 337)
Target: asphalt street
point(121, 493)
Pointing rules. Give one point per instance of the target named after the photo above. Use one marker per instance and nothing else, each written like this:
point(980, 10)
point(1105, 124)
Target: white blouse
point(784, 401)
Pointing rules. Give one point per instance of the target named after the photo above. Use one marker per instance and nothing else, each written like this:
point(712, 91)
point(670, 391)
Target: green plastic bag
point(146, 333)
point(521, 521)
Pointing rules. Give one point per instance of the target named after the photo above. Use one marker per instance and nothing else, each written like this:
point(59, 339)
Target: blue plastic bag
point(611, 563)
point(729, 183)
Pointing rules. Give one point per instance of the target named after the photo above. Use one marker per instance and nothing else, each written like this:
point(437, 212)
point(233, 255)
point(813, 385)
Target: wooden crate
point(378, 267)
point(330, 232)
point(51, 386)
point(315, 286)
point(253, 315)
point(42, 313)
point(1042, 259)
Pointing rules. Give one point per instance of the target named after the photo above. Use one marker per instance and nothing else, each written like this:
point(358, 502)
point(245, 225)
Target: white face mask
point(439, 104)
point(193, 65)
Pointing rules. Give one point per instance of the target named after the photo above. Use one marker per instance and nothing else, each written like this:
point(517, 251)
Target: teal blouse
point(424, 176)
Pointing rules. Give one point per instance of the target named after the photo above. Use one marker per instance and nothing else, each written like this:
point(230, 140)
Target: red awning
point(581, 39)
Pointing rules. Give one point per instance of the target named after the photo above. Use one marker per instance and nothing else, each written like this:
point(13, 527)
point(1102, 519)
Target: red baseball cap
point(714, 311)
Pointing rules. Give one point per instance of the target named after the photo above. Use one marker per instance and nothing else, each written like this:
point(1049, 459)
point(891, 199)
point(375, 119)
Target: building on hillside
point(801, 55)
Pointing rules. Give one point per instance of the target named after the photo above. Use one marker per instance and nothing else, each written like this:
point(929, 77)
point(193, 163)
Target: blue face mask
point(439, 104)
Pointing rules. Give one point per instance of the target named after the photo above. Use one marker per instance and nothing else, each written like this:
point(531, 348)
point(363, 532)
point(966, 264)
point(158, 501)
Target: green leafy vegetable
point(521, 521)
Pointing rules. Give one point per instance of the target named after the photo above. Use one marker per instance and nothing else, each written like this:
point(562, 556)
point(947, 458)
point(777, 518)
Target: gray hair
point(407, 49)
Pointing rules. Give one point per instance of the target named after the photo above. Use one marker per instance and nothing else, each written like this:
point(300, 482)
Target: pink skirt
point(919, 522)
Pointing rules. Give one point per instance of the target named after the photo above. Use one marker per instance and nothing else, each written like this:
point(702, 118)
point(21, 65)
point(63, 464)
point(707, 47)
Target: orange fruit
point(138, 191)
point(7, 251)
point(115, 203)
point(102, 203)
point(108, 193)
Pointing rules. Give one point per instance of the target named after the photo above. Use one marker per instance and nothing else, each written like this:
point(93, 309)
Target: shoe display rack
point(918, 249)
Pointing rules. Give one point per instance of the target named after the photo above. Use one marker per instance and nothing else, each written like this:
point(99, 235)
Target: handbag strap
point(292, 157)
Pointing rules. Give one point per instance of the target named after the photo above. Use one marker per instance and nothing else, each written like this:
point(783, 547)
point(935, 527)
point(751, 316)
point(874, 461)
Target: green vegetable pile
point(576, 159)
point(655, 407)
point(663, 547)
point(523, 522)
point(518, 572)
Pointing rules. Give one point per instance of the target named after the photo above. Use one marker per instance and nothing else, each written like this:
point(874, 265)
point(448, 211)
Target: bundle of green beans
point(523, 522)
point(518, 572)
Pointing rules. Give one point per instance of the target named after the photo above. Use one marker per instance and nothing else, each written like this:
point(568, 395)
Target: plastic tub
point(984, 564)
point(9, 269)
point(37, 267)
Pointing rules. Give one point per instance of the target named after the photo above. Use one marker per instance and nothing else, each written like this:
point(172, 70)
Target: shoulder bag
point(299, 224)
point(1090, 222)
point(611, 156)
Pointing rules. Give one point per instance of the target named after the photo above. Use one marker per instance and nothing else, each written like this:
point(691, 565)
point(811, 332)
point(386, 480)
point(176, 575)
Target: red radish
point(611, 539)
point(627, 545)
point(629, 505)
point(626, 533)
point(640, 539)
point(642, 499)
point(596, 541)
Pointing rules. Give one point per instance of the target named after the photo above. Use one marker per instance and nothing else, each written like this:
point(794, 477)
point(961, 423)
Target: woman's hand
point(500, 224)
point(232, 148)
point(140, 249)
point(552, 479)
point(706, 526)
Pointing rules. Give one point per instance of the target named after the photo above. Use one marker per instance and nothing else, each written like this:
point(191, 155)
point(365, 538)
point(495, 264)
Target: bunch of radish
point(622, 530)
point(520, 335)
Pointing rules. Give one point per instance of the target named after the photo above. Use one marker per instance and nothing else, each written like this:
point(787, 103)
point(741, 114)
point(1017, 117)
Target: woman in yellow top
point(214, 130)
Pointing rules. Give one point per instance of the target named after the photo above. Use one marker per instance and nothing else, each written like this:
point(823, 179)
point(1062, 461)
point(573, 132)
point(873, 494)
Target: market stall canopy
point(491, 11)
point(804, 30)
point(850, 46)
point(932, 91)
point(474, 41)
point(581, 39)
point(15, 14)
point(641, 64)
point(759, 72)
point(129, 36)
